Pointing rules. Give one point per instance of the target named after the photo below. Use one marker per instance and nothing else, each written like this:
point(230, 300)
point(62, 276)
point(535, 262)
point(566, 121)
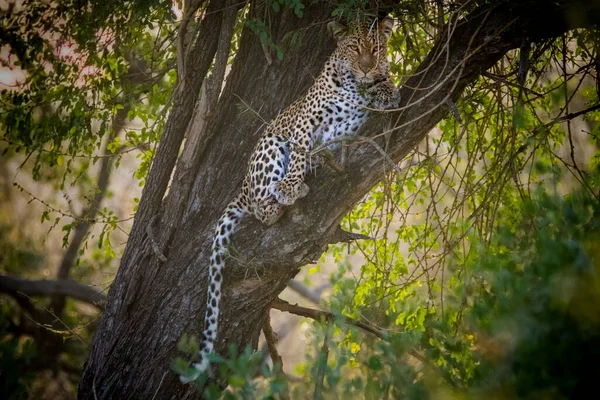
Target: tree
point(145, 315)
point(159, 291)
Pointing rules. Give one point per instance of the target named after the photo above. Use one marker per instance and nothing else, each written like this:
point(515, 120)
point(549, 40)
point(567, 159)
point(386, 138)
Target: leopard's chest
point(343, 116)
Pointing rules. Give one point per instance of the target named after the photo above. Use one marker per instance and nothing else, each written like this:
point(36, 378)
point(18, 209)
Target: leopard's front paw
point(268, 211)
point(385, 95)
point(287, 192)
point(394, 98)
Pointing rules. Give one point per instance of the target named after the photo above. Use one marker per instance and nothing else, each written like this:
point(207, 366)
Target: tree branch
point(188, 11)
point(33, 288)
point(215, 82)
point(320, 316)
point(211, 89)
point(201, 55)
point(271, 339)
point(342, 236)
point(305, 291)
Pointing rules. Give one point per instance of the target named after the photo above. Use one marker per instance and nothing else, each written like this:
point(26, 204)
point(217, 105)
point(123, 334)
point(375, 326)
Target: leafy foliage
point(92, 83)
point(238, 371)
point(81, 65)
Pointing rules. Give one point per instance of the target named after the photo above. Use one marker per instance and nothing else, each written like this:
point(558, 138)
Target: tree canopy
point(454, 257)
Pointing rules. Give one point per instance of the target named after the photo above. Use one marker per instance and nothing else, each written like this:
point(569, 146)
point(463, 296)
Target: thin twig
point(248, 108)
point(355, 140)
point(159, 385)
point(94, 388)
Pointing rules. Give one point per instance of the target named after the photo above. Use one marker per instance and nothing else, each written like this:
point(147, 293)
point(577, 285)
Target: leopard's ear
point(337, 30)
point(385, 26)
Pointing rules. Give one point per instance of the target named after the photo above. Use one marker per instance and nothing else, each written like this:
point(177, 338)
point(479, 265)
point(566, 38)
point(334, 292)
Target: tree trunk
point(151, 303)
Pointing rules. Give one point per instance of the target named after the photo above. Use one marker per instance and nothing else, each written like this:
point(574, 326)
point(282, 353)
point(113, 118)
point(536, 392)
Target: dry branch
point(322, 316)
point(342, 236)
point(271, 339)
point(35, 288)
point(305, 291)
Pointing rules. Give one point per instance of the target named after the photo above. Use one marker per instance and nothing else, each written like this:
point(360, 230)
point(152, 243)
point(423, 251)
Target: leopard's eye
point(354, 48)
point(375, 50)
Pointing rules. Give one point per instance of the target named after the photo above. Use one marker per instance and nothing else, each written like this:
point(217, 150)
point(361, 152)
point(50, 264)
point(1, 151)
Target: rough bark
point(151, 304)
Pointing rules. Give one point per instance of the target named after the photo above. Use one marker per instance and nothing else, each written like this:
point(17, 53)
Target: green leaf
point(375, 363)
point(237, 381)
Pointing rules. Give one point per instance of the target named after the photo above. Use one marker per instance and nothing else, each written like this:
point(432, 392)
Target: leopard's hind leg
point(270, 166)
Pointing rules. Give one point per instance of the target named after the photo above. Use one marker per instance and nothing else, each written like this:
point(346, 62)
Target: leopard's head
point(362, 47)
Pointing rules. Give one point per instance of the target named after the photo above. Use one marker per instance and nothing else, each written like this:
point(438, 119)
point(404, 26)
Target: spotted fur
point(355, 76)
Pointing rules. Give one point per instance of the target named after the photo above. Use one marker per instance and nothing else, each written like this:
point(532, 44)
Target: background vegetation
point(476, 272)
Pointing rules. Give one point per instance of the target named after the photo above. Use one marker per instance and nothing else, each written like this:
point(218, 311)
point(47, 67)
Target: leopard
point(354, 81)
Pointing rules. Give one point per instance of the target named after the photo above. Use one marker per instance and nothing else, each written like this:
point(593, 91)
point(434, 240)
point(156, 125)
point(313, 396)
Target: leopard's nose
point(365, 63)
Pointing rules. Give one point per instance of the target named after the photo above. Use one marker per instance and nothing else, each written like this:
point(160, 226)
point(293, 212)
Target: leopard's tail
point(228, 223)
